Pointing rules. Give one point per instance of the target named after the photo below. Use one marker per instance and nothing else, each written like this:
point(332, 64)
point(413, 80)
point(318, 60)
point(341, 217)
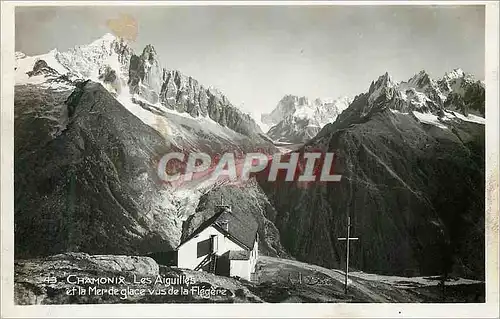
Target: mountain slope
point(412, 182)
point(91, 186)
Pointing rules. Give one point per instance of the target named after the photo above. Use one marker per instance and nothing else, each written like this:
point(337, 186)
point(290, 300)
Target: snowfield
point(429, 118)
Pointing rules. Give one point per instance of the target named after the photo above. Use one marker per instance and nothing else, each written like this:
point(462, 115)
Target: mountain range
point(412, 166)
point(297, 120)
point(91, 126)
point(92, 123)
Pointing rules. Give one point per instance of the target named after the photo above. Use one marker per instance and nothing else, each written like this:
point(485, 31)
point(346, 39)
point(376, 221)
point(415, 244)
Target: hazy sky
point(255, 55)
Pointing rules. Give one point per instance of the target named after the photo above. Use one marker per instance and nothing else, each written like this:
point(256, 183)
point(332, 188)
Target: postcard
point(250, 159)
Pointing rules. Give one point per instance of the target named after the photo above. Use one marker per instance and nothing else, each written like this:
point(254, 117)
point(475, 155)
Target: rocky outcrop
point(470, 101)
point(185, 94)
point(51, 77)
point(465, 94)
point(422, 93)
point(110, 79)
point(47, 280)
point(42, 68)
point(145, 75)
point(78, 278)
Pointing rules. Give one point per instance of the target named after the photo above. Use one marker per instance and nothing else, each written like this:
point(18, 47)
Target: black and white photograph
point(264, 153)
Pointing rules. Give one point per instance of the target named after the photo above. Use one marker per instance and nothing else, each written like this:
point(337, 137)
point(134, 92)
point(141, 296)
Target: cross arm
point(350, 238)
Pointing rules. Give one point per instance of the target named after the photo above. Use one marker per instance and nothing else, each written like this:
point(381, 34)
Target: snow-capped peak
point(86, 60)
point(108, 37)
point(421, 80)
point(80, 62)
point(383, 86)
point(287, 106)
point(425, 97)
point(297, 119)
point(105, 40)
point(454, 74)
point(385, 80)
point(456, 80)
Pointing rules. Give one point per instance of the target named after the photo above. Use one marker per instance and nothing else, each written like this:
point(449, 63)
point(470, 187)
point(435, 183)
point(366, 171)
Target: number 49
point(50, 280)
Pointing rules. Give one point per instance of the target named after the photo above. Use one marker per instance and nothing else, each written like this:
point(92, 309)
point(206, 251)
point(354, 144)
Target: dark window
point(204, 248)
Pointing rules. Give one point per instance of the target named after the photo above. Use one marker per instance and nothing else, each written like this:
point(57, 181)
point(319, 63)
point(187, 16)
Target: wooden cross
point(347, 239)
